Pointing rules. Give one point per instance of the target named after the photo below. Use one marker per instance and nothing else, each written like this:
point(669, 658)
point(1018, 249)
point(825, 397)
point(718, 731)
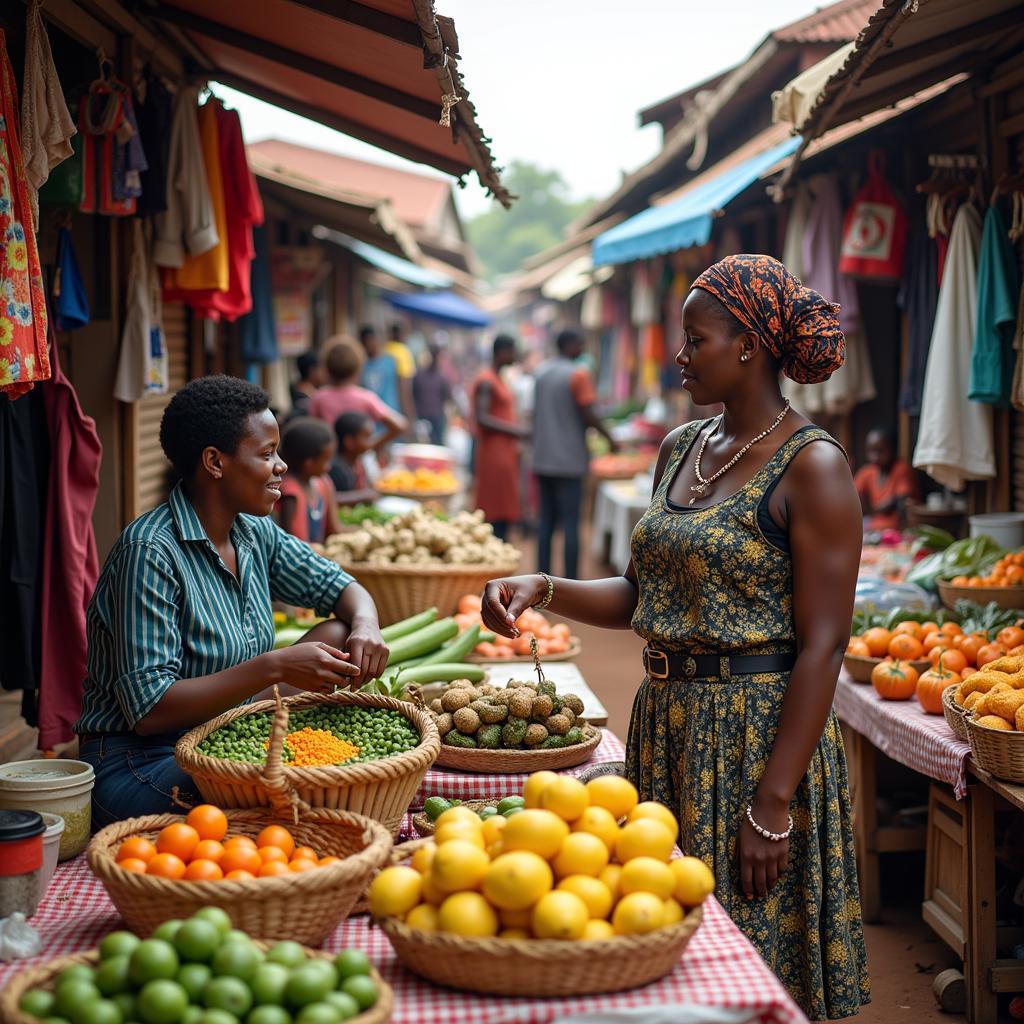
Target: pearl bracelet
point(546, 600)
point(775, 837)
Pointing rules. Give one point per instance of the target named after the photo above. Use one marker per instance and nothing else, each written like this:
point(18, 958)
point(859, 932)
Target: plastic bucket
point(53, 786)
point(51, 848)
point(1005, 528)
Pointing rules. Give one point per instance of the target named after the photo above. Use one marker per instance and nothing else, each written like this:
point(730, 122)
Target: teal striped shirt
point(166, 607)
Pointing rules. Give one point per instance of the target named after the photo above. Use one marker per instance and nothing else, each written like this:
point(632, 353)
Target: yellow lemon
point(674, 913)
point(423, 917)
point(595, 894)
point(659, 812)
point(645, 874)
point(395, 891)
point(431, 893)
point(566, 796)
point(460, 830)
point(491, 829)
point(517, 880)
point(423, 858)
point(495, 850)
point(467, 913)
point(600, 822)
point(539, 831)
point(514, 933)
point(614, 794)
point(581, 854)
point(644, 837)
point(459, 866)
point(694, 880)
point(516, 918)
point(457, 813)
point(559, 915)
point(535, 785)
point(638, 913)
point(612, 876)
point(597, 930)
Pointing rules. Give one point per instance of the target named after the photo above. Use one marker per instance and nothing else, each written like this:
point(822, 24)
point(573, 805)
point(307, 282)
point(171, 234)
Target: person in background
point(498, 435)
point(380, 372)
point(311, 377)
point(406, 367)
point(563, 410)
point(354, 434)
point(432, 392)
point(307, 509)
point(886, 485)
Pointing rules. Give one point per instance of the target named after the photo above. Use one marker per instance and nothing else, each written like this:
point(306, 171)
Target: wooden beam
point(299, 61)
point(370, 18)
point(1004, 78)
point(146, 42)
point(1011, 126)
point(82, 27)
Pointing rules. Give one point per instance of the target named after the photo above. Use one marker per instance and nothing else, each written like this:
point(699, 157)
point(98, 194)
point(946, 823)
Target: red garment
point(291, 487)
point(70, 563)
point(900, 483)
point(244, 210)
point(497, 455)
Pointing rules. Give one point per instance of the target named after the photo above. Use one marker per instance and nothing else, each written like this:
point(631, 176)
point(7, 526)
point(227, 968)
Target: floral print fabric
point(24, 356)
point(709, 581)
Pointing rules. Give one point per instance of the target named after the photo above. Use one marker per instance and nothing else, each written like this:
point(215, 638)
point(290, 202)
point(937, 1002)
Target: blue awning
point(687, 221)
point(446, 307)
point(421, 277)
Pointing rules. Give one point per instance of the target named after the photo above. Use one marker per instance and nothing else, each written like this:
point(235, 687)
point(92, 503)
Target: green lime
point(76, 972)
point(509, 802)
point(344, 1004)
point(268, 984)
point(511, 811)
point(216, 916)
point(197, 941)
point(435, 806)
point(55, 1020)
point(488, 812)
point(237, 959)
point(192, 1015)
point(193, 978)
point(362, 989)
point(161, 1002)
point(236, 935)
point(307, 984)
point(98, 1011)
point(118, 944)
point(112, 976)
point(153, 960)
point(36, 1003)
point(126, 1003)
point(269, 1015)
point(326, 968)
point(72, 994)
point(229, 994)
point(217, 1017)
point(286, 952)
point(168, 930)
point(318, 1013)
point(351, 962)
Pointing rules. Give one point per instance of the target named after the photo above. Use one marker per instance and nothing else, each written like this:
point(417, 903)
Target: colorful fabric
point(380, 375)
point(799, 327)
point(308, 522)
point(404, 362)
point(112, 156)
point(900, 482)
point(709, 582)
point(497, 454)
point(24, 354)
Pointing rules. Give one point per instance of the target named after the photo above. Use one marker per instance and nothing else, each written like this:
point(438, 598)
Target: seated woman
point(180, 627)
point(307, 508)
point(886, 485)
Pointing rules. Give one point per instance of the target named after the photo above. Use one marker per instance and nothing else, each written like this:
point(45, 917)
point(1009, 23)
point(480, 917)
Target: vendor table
point(618, 506)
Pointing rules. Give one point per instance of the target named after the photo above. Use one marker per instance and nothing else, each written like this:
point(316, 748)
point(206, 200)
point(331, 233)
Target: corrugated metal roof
point(837, 23)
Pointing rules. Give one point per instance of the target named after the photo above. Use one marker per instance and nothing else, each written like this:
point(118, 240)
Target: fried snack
point(972, 699)
point(1020, 719)
point(994, 722)
point(984, 680)
point(1010, 664)
point(1004, 703)
point(984, 705)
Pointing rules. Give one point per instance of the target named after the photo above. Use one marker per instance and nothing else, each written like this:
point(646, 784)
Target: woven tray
point(955, 715)
point(575, 650)
point(425, 827)
point(381, 790)
point(860, 669)
point(305, 907)
point(508, 762)
point(1000, 753)
point(401, 591)
point(42, 975)
point(1002, 597)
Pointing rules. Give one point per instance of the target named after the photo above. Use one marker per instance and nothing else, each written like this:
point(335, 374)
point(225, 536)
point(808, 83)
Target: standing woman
point(742, 582)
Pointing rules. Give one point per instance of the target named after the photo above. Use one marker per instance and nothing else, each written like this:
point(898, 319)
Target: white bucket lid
point(998, 519)
point(54, 824)
point(44, 773)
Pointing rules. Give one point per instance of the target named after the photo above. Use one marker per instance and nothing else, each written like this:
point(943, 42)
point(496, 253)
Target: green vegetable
point(458, 739)
point(456, 650)
point(356, 515)
point(931, 538)
point(288, 635)
point(508, 802)
point(442, 673)
point(552, 742)
point(513, 732)
point(488, 812)
point(435, 806)
point(489, 737)
point(422, 641)
point(409, 625)
point(973, 556)
point(573, 736)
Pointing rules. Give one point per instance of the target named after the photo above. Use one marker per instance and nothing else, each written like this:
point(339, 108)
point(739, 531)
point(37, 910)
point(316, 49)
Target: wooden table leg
point(863, 794)
point(981, 905)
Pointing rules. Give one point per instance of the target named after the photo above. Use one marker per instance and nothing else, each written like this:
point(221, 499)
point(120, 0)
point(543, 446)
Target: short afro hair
point(304, 438)
point(344, 359)
point(348, 424)
point(209, 412)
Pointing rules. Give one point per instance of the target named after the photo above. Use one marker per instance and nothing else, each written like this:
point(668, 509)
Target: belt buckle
point(649, 654)
point(689, 666)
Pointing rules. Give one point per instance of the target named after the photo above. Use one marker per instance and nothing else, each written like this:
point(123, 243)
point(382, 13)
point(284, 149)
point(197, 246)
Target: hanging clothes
point(112, 155)
point(1017, 390)
point(954, 442)
point(643, 308)
point(258, 329)
point(153, 113)
point(70, 302)
point(591, 309)
point(992, 361)
point(24, 358)
point(46, 123)
point(917, 297)
point(796, 230)
point(142, 364)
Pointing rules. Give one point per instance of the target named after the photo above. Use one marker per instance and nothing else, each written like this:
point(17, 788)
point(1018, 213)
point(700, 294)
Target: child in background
point(354, 434)
point(307, 508)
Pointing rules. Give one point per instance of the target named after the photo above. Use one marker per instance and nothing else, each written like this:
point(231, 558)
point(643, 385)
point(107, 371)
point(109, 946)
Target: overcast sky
point(559, 82)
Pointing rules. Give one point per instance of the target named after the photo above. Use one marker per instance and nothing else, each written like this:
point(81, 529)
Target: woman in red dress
point(498, 434)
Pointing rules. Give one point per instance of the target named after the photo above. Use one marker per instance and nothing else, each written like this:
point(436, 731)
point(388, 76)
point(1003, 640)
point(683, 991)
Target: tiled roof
point(837, 23)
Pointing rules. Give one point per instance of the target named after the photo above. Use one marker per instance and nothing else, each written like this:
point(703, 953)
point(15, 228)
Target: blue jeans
point(561, 498)
point(135, 775)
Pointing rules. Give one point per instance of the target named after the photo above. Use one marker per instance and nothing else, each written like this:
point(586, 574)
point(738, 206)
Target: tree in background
point(504, 238)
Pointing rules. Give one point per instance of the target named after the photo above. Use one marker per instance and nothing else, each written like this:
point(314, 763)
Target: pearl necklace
point(702, 485)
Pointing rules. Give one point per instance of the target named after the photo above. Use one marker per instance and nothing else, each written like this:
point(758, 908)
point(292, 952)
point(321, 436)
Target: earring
point(744, 358)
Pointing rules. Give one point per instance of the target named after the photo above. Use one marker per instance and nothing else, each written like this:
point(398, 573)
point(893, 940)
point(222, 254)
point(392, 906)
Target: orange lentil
point(313, 748)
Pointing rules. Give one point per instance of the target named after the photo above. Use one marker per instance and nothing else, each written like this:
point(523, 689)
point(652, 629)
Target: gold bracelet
point(541, 605)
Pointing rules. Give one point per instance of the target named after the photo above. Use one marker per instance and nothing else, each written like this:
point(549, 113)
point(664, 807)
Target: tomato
point(858, 648)
point(877, 640)
point(935, 639)
point(1012, 636)
point(969, 646)
point(931, 685)
point(894, 680)
point(989, 653)
point(906, 647)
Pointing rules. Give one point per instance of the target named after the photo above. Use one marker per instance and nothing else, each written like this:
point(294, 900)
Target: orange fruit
point(166, 865)
point(877, 640)
point(304, 853)
point(209, 821)
point(935, 639)
point(181, 840)
point(939, 649)
point(1012, 636)
point(238, 875)
point(950, 629)
point(951, 661)
point(202, 870)
point(990, 652)
point(271, 853)
point(133, 864)
point(136, 848)
point(240, 858)
point(208, 849)
point(240, 841)
point(300, 864)
point(858, 648)
point(908, 627)
point(324, 861)
point(928, 627)
point(272, 868)
point(277, 835)
point(905, 647)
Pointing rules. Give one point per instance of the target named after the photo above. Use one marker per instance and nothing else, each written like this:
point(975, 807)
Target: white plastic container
point(53, 786)
point(51, 849)
point(1005, 528)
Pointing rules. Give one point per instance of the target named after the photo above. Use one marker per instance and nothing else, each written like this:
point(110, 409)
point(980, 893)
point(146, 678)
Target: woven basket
point(508, 762)
point(305, 907)
point(956, 716)
point(574, 651)
point(860, 669)
point(425, 827)
point(42, 976)
point(1002, 597)
point(1000, 753)
point(381, 790)
point(400, 591)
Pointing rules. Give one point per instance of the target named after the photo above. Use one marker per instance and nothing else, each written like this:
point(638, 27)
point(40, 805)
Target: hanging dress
point(710, 582)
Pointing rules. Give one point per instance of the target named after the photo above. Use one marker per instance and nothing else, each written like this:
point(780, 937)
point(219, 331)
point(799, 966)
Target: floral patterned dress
point(710, 582)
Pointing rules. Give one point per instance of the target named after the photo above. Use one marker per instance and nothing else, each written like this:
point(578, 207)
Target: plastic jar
point(21, 861)
point(57, 786)
point(51, 848)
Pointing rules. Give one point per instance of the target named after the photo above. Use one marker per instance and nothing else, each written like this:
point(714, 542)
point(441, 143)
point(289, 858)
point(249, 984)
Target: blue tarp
point(397, 267)
point(446, 307)
point(687, 221)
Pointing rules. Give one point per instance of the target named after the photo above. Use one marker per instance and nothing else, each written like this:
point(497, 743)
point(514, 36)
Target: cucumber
point(423, 641)
point(486, 637)
point(409, 625)
point(456, 650)
point(441, 673)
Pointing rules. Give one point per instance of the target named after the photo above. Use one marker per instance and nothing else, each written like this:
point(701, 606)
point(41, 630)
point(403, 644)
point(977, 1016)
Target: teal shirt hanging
point(72, 304)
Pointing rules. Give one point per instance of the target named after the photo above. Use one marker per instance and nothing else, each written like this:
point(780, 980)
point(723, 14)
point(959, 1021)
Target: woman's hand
point(367, 650)
point(314, 667)
point(505, 600)
point(762, 861)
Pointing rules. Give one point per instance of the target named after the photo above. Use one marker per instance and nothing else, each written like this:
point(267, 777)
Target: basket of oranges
point(296, 881)
point(1002, 585)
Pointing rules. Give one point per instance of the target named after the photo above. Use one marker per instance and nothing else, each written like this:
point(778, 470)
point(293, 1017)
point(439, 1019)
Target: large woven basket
point(381, 790)
point(43, 976)
point(1002, 597)
point(508, 762)
point(305, 907)
point(401, 591)
point(1000, 753)
point(956, 716)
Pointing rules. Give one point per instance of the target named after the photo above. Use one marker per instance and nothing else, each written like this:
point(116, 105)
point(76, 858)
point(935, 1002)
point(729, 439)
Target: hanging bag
point(70, 300)
point(875, 230)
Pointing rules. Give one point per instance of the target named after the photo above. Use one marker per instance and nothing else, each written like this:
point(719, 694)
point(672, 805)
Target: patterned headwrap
point(798, 326)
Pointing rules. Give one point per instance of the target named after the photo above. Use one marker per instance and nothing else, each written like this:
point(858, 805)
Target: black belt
point(666, 665)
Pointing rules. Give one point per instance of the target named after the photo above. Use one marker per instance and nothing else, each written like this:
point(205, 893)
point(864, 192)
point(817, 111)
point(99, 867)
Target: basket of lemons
point(576, 894)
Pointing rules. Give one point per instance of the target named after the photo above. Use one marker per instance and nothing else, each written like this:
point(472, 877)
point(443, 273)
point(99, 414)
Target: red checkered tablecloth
point(902, 730)
point(719, 967)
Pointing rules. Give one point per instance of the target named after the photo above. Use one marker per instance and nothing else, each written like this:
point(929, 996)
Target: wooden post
point(981, 905)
